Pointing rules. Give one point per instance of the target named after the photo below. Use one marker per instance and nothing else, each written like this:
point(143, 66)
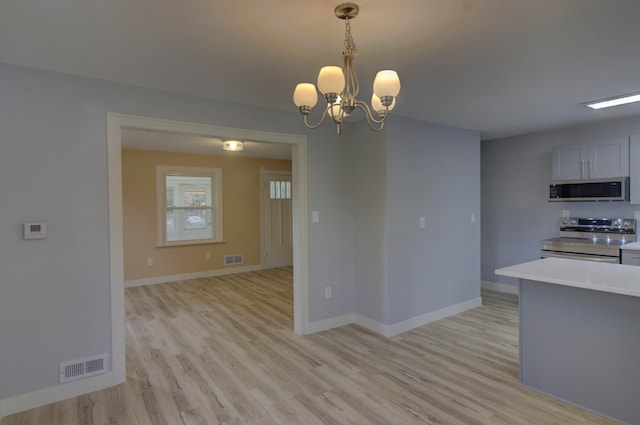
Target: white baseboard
point(397, 328)
point(371, 324)
point(500, 287)
point(326, 324)
point(186, 276)
point(415, 322)
point(22, 402)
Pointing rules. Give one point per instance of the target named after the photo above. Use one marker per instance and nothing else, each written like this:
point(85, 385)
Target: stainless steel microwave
point(590, 190)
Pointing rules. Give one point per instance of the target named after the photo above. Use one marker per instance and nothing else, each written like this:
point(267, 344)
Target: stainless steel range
point(593, 239)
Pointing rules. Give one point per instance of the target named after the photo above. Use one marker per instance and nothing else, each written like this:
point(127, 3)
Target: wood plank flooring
point(222, 351)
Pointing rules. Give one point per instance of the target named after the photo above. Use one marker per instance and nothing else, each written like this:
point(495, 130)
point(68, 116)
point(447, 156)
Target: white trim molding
point(332, 323)
point(22, 402)
point(115, 123)
point(424, 319)
point(499, 287)
point(186, 276)
point(397, 328)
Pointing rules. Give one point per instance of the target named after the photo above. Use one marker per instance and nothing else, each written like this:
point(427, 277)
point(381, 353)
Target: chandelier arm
point(367, 111)
point(312, 126)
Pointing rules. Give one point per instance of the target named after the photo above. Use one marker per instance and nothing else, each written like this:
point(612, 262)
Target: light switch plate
point(315, 216)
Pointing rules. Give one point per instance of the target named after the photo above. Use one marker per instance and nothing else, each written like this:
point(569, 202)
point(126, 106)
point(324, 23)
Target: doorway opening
point(115, 124)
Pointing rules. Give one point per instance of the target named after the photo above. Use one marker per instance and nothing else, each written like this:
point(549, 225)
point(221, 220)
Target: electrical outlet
point(149, 261)
point(327, 292)
point(315, 216)
point(207, 256)
point(422, 222)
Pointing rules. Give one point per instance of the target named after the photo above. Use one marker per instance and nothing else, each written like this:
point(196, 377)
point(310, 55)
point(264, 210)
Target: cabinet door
point(569, 162)
point(609, 158)
point(631, 257)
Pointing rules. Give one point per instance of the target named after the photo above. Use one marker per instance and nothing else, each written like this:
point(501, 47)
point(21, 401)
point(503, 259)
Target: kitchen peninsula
point(580, 333)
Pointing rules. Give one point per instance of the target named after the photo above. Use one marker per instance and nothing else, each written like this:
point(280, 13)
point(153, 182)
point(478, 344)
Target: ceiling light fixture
point(232, 145)
point(340, 86)
point(614, 101)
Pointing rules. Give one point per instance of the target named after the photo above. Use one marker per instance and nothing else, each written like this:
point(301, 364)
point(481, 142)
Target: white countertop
point(614, 278)
point(633, 245)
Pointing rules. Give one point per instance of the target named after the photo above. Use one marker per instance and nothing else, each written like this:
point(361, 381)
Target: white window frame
point(162, 172)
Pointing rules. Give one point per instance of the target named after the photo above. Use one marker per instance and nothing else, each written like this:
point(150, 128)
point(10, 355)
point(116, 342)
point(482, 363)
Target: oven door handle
point(572, 256)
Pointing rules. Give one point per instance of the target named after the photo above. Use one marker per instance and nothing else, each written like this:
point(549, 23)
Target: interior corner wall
point(432, 171)
point(370, 200)
point(516, 172)
point(241, 213)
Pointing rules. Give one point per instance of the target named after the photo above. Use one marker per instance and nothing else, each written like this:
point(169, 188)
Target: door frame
point(115, 123)
point(263, 173)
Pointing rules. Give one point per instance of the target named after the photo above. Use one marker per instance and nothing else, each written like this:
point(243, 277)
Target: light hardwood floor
point(222, 351)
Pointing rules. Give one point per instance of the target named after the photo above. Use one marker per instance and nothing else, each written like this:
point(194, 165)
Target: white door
point(277, 229)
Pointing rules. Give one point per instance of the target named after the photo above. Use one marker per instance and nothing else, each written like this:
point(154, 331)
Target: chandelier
point(340, 86)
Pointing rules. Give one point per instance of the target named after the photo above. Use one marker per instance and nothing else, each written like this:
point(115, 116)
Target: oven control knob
point(617, 222)
point(565, 221)
point(574, 221)
point(626, 223)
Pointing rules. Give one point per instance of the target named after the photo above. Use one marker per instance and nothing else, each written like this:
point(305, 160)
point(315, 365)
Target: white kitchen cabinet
point(596, 160)
point(634, 169)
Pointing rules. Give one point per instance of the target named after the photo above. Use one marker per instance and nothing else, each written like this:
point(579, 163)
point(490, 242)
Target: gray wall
point(432, 171)
point(54, 293)
point(331, 248)
point(370, 195)
point(415, 169)
point(515, 175)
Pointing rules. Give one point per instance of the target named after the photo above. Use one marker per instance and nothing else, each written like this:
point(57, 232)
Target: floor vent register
point(83, 368)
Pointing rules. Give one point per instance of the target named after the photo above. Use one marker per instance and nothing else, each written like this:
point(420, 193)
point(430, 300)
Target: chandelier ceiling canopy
point(340, 86)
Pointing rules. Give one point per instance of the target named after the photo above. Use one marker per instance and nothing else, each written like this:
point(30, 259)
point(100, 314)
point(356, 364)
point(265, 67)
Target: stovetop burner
point(604, 225)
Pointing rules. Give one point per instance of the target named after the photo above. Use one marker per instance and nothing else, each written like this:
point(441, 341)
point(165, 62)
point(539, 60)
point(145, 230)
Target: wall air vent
point(83, 368)
point(230, 260)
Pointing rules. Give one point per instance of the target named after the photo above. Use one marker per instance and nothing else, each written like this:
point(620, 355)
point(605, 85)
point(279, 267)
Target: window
point(279, 189)
point(189, 205)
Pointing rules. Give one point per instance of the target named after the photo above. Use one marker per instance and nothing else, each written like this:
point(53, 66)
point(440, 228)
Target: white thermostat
point(35, 230)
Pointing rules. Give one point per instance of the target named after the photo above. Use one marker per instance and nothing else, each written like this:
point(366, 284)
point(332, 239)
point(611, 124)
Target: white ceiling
point(135, 138)
point(502, 67)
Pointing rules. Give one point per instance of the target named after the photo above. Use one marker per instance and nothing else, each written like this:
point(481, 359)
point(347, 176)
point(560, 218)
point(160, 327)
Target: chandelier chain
point(349, 45)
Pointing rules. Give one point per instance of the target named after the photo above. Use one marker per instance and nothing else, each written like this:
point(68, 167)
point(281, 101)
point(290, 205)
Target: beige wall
point(241, 213)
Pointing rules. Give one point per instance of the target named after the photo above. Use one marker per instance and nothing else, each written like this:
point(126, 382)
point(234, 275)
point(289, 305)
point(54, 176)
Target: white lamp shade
point(386, 83)
point(330, 79)
point(305, 94)
point(377, 105)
